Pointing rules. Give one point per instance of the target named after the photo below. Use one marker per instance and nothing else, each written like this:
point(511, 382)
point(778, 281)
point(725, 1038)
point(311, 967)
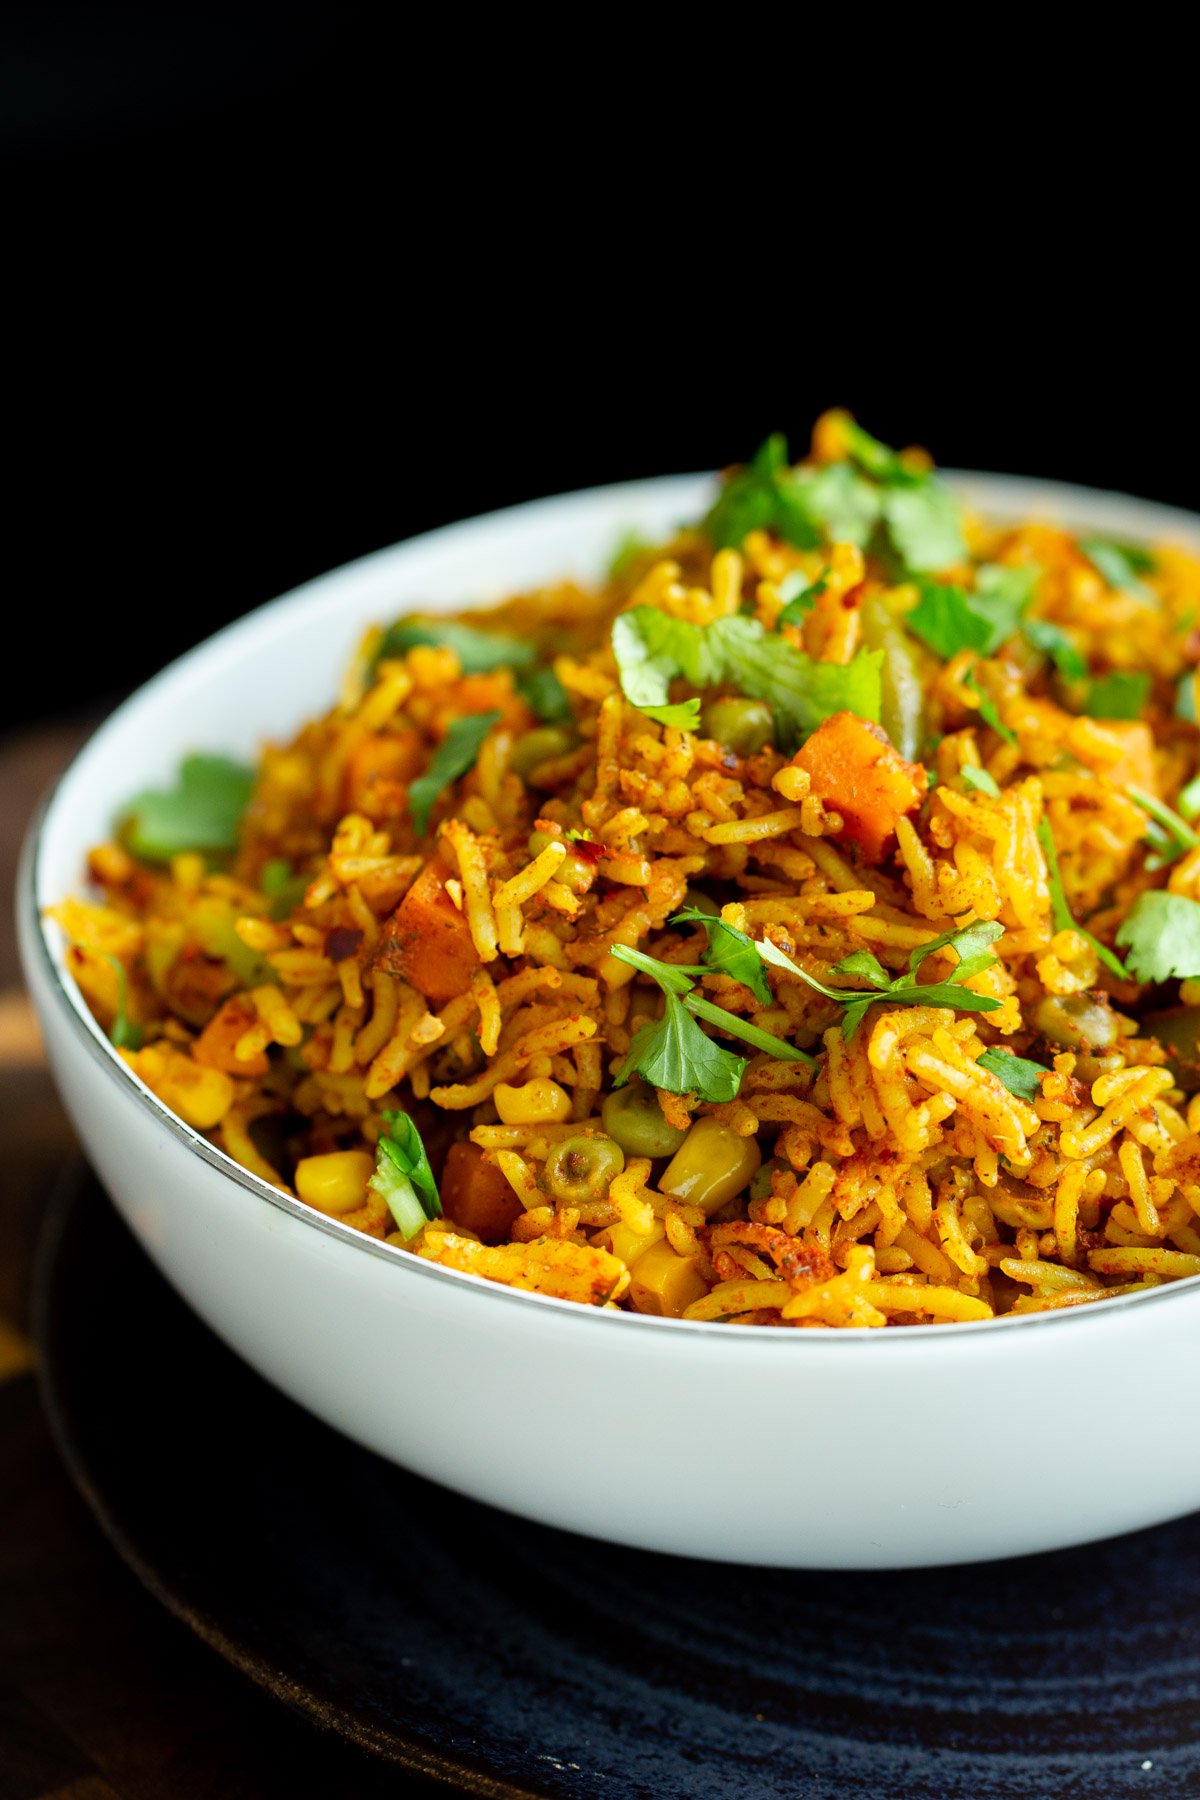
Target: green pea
point(534, 748)
point(743, 726)
point(1077, 1021)
point(580, 1168)
point(760, 1187)
point(634, 1118)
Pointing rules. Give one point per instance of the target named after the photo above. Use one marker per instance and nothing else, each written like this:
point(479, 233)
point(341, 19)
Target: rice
point(338, 966)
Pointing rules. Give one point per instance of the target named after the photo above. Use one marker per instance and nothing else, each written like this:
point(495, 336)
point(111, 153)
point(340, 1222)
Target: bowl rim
point(106, 1056)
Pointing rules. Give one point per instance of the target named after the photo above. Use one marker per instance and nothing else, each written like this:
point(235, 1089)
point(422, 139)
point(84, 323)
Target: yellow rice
point(907, 1184)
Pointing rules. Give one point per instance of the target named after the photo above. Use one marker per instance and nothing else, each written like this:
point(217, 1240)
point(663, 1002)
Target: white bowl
point(840, 1449)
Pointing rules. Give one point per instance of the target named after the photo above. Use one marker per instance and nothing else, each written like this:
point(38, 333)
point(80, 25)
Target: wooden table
point(102, 1694)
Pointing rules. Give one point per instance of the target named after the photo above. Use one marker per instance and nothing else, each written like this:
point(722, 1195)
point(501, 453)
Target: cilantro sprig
point(478, 651)
point(403, 1177)
point(969, 942)
point(1020, 1076)
point(454, 756)
point(1162, 934)
point(673, 1052)
point(652, 649)
point(1064, 919)
point(872, 494)
point(201, 812)
point(1121, 694)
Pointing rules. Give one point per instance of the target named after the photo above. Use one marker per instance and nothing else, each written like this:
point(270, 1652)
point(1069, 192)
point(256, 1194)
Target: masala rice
point(901, 1181)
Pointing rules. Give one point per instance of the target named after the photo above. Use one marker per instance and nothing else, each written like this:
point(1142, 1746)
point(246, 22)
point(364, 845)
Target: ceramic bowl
point(848, 1449)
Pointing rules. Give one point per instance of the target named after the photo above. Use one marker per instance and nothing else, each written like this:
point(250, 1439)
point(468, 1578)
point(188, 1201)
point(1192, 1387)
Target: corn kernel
point(537, 1102)
point(337, 1182)
point(200, 1096)
point(628, 1244)
point(711, 1165)
point(664, 1283)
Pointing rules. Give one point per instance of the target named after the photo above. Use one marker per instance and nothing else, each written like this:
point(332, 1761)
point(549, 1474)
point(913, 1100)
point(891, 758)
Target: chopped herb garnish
point(544, 694)
point(842, 502)
point(652, 649)
point(123, 1032)
point(403, 1177)
point(1162, 934)
point(1119, 695)
point(969, 942)
point(453, 757)
point(799, 596)
point(949, 619)
point(1064, 919)
point(201, 812)
point(673, 1053)
point(1189, 798)
point(478, 651)
point(987, 709)
point(979, 778)
point(730, 952)
point(1185, 697)
point(1020, 1076)
point(1170, 835)
point(1122, 565)
point(1053, 642)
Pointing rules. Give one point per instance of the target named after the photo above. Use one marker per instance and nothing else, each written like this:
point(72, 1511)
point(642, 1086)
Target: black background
point(294, 281)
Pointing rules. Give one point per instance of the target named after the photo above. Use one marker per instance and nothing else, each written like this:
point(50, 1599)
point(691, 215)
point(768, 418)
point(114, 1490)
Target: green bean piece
point(580, 1168)
point(533, 748)
point(634, 1119)
point(1077, 1021)
point(902, 706)
point(743, 726)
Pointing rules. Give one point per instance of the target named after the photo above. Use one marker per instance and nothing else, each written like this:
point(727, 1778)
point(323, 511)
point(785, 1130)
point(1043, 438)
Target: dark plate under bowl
point(504, 1658)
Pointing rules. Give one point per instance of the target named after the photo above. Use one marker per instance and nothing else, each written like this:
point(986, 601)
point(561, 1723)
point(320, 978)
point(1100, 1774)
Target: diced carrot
point(378, 771)
point(215, 1047)
point(476, 1195)
point(428, 941)
point(857, 773)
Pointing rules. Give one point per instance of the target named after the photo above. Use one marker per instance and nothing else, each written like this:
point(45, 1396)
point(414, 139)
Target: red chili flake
point(342, 942)
point(587, 849)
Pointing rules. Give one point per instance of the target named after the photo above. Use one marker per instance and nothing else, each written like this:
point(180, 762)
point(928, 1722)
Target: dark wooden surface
point(102, 1694)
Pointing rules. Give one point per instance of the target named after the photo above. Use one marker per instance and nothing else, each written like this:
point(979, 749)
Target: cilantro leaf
point(980, 779)
point(453, 757)
point(403, 1177)
point(673, 1053)
point(761, 497)
point(923, 525)
point(544, 694)
point(799, 596)
point(730, 952)
point(738, 1027)
point(1020, 1076)
point(1118, 695)
point(478, 651)
point(1162, 934)
point(902, 990)
point(1061, 912)
point(1122, 565)
point(201, 812)
point(801, 691)
point(945, 618)
point(840, 502)
point(651, 649)
point(1053, 642)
